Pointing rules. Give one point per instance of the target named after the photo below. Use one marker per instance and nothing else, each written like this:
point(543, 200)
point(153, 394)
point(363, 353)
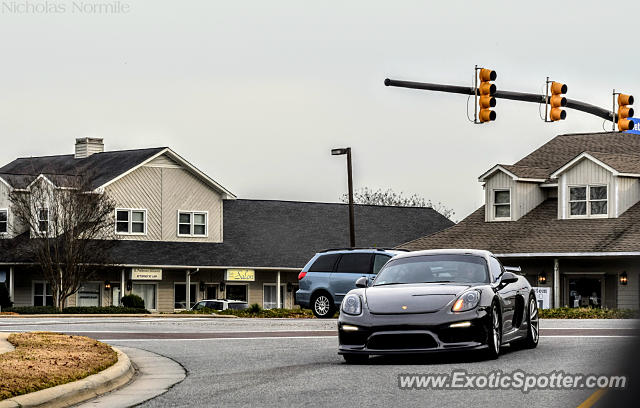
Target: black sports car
point(438, 300)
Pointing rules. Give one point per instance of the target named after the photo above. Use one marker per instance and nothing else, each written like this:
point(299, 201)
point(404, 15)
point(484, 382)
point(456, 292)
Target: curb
point(168, 315)
point(78, 391)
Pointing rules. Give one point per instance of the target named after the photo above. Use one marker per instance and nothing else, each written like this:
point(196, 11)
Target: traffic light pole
point(516, 96)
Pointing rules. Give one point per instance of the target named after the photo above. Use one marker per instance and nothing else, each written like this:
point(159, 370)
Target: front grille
point(401, 341)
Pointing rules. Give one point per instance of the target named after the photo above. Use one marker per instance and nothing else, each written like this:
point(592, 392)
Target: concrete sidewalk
point(156, 374)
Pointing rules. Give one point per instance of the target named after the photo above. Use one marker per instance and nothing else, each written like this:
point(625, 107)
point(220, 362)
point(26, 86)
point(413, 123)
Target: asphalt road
point(252, 362)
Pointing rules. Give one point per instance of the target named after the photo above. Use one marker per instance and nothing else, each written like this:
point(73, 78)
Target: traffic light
point(486, 90)
point(557, 102)
point(625, 112)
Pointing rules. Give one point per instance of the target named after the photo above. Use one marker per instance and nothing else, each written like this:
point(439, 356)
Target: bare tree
point(389, 197)
point(71, 229)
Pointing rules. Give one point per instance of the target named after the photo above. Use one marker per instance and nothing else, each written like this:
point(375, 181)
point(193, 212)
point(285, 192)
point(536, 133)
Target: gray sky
point(256, 93)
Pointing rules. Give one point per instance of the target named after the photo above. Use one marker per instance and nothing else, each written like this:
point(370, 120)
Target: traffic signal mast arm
point(516, 96)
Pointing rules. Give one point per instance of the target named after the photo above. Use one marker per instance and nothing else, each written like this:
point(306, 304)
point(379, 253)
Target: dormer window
point(502, 204)
point(588, 201)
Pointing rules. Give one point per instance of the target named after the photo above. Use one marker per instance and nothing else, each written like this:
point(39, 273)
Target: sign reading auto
point(146, 274)
point(243, 275)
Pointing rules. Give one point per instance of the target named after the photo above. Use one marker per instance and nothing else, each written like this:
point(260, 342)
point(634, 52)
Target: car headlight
point(352, 305)
point(466, 301)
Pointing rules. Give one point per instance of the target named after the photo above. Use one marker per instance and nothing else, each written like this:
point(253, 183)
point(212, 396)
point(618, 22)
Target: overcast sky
point(256, 93)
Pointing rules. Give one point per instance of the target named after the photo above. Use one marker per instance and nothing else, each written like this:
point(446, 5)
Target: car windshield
point(434, 269)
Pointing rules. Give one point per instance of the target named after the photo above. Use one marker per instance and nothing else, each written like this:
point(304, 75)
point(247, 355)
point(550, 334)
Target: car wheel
point(533, 326)
point(355, 358)
point(494, 333)
point(322, 306)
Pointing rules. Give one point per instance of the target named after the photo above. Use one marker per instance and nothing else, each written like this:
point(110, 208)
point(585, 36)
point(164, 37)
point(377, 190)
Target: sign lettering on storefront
point(146, 274)
point(243, 275)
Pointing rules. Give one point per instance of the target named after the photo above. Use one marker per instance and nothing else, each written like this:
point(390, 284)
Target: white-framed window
point(192, 223)
point(42, 295)
point(269, 299)
point(180, 295)
point(588, 201)
point(148, 292)
point(502, 204)
point(131, 221)
point(89, 294)
point(4, 221)
point(43, 220)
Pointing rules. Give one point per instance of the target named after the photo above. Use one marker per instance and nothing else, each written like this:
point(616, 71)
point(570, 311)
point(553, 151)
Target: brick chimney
point(86, 146)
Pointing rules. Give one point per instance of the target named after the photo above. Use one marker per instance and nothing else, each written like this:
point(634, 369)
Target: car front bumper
point(412, 333)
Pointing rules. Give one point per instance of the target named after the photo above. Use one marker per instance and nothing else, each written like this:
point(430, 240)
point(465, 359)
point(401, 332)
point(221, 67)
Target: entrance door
point(115, 295)
point(585, 291)
point(211, 292)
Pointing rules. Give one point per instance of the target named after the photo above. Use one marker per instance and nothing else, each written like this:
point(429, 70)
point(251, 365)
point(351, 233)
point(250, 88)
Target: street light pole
point(352, 232)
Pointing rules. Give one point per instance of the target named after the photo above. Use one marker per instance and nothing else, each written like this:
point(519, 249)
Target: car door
point(378, 262)
point(349, 268)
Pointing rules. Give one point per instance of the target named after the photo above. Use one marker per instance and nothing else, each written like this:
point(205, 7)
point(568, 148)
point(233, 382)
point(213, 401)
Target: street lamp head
point(338, 152)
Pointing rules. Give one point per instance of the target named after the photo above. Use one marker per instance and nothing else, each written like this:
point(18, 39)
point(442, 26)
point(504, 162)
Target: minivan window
point(379, 261)
point(324, 263)
point(355, 263)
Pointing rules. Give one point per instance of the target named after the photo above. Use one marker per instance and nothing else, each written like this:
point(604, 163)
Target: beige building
point(177, 228)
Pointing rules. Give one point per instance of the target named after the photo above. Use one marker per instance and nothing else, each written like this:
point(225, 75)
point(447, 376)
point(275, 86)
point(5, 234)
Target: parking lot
point(276, 362)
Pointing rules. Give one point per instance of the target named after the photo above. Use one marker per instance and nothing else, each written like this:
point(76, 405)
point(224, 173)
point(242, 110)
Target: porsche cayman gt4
point(438, 300)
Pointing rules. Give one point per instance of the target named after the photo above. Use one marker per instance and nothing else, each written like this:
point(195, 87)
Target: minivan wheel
point(322, 306)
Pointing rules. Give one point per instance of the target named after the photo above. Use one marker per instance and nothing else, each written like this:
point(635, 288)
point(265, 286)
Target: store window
point(180, 295)
point(42, 295)
point(269, 300)
point(237, 292)
point(89, 294)
point(147, 291)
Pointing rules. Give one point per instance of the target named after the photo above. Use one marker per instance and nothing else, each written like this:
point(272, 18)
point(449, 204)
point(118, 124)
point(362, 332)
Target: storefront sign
point(146, 274)
point(543, 294)
point(242, 275)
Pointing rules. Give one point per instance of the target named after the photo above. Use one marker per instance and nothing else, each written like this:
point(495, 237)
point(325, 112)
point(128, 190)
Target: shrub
point(77, 310)
point(104, 310)
point(33, 310)
point(254, 308)
point(5, 300)
point(132, 300)
point(587, 313)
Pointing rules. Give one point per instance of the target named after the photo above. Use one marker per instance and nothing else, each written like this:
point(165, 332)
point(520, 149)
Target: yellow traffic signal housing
point(625, 112)
point(486, 91)
point(557, 101)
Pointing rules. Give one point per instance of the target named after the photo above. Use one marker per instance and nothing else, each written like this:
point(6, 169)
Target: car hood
point(411, 298)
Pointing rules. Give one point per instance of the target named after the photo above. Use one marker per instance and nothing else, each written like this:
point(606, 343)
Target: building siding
point(628, 193)
point(162, 189)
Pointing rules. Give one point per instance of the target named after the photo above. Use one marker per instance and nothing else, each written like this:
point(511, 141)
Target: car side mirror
point(362, 282)
point(508, 278)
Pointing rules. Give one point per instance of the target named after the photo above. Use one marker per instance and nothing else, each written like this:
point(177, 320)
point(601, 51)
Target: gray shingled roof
point(562, 149)
point(265, 233)
point(527, 172)
point(99, 168)
point(540, 231)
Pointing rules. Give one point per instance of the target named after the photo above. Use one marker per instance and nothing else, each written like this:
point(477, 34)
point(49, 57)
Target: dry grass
point(43, 359)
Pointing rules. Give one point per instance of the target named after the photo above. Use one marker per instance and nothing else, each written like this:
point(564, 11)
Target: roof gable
point(517, 173)
point(627, 165)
